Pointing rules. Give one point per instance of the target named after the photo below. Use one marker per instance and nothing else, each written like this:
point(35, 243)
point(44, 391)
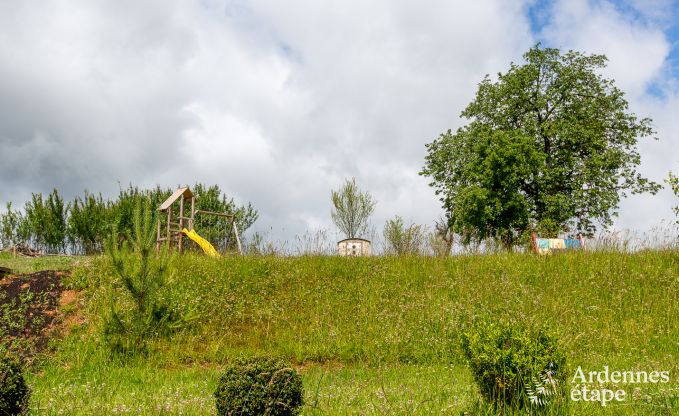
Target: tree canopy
point(550, 146)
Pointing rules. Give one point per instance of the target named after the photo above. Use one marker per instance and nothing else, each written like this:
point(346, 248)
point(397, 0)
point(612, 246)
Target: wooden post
point(158, 234)
point(193, 212)
point(226, 238)
point(169, 219)
point(180, 236)
point(535, 244)
point(235, 230)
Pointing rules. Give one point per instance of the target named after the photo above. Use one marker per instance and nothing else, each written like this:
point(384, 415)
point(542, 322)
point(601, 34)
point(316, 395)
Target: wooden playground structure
point(173, 226)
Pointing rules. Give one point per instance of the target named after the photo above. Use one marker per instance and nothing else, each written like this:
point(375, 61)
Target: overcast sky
point(278, 102)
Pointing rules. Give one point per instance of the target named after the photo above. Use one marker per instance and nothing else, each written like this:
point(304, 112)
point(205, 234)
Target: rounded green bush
point(507, 360)
point(259, 386)
point(14, 393)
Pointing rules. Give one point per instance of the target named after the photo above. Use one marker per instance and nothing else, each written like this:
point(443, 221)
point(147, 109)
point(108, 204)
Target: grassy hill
point(376, 335)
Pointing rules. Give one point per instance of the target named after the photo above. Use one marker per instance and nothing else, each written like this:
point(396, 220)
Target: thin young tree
point(140, 277)
point(351, 209)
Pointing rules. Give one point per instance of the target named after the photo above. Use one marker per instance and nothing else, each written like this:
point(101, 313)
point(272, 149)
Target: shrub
point(14, 393)
point(441, 239)
point(511, 363)
point(259, 386)
point(402, 240)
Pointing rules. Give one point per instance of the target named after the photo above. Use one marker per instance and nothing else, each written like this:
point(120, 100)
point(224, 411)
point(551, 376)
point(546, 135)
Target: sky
point(280, 102)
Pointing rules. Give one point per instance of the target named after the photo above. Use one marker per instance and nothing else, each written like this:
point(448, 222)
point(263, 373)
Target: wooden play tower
point(173, 224)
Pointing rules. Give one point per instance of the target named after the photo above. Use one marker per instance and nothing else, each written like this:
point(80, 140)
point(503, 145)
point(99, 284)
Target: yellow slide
point(203, 243)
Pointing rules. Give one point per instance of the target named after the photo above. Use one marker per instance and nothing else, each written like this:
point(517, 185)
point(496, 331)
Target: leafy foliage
point(351, 209)
point(12, 227)
point(216, 229)
point(550, 146)
point(88, 222)
point(259, 386)
point(507, 359)
point(14, 392)
point(673, 182)
point(47, 220)
point(122, 211)
point(402, 240)
point(81, 226)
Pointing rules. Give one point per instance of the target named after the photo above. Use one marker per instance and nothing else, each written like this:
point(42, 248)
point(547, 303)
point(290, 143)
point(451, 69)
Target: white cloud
point(638, 51)
point(276, 102)
point(655, 11)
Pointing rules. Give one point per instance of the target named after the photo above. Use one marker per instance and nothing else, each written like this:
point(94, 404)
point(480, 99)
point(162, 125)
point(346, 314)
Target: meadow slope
point(375, 335)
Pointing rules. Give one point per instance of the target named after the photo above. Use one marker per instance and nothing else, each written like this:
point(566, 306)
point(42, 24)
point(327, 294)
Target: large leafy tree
point(549, 147)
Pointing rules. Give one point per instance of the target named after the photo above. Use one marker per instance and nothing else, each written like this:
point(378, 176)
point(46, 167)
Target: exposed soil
point(30, 308)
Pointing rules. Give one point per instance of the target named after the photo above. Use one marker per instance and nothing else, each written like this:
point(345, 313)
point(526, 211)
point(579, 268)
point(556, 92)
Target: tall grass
point(380, 335)
point(619, 306)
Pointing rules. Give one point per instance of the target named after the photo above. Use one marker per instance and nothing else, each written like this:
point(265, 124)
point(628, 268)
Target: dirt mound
point(29, 308)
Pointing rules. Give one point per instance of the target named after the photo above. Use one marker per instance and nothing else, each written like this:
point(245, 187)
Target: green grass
point(373, 335)
point(147, 390)
point(20, 264)
point(399, 389)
